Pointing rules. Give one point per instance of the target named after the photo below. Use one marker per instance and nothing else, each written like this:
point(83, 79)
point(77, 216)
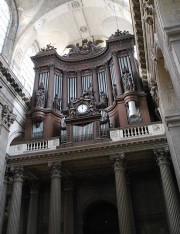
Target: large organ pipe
point(117, 74)
point(95, 85)
point(109, 84)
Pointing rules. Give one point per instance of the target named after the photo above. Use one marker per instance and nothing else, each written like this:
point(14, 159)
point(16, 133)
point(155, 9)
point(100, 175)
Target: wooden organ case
point(79, 96)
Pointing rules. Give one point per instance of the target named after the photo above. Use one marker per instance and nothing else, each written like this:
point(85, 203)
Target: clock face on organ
point(82, 108)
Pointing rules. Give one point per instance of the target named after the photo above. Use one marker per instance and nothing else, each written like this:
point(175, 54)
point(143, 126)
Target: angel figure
point(74, 49)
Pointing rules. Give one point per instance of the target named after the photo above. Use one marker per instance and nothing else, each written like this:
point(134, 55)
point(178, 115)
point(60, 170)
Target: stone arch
point(92, 200)
point(100, 216)
point(15, 135)
point(8, 46)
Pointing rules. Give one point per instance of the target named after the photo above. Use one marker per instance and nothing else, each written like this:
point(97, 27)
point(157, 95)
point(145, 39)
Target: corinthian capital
point(162, 155)
point(56, 169)
point(17, 173)
point(118, 160)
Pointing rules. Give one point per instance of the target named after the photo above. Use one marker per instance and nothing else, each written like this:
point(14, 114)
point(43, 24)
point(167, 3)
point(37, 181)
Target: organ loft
point(93, 159)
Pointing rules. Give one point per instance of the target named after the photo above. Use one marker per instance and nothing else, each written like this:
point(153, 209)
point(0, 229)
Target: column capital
point(55, 168)
point(162, 155)
point(17, 173)
point(118, 160)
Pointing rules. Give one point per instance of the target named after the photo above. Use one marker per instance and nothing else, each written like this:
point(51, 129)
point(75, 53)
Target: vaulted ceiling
point(62, 22)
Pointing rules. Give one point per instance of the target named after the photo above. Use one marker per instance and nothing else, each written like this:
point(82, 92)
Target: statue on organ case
point(56, 103)
point(127, 80)
point(40, 96)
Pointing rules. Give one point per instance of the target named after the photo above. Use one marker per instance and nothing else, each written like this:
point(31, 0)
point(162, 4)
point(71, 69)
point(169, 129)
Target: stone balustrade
point(134, 132)
point(33, 146)
point(137, 132)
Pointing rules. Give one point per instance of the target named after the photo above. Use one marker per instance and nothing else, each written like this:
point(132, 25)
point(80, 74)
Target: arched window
point(27, 71)
point(4, 21)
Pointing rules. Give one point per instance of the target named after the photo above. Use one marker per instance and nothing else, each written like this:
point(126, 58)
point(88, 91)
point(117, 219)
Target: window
point(4, 21)
point(27, 71)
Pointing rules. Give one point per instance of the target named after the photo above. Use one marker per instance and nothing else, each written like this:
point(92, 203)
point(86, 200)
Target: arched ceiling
point(62, 22)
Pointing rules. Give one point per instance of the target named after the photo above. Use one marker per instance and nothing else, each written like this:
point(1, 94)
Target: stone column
point(124, 210)
point(68, 209)
point(33, 209)
point(55, 200)
point(170, 193)
point(3, 201)
point(15, 206)
point(117, 74)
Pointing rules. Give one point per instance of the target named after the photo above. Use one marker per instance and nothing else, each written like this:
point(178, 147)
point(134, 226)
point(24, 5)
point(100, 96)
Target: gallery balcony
point(131, 134)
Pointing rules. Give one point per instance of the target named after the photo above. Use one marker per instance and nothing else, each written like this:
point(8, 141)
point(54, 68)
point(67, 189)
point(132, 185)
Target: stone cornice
point(87, 151)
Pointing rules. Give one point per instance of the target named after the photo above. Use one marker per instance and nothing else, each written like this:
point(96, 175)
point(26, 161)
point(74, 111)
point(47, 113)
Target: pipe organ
point(80, 95)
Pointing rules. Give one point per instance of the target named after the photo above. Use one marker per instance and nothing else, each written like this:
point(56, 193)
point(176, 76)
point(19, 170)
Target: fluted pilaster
point(15, 206)
point(33, 209)
point(170, 193)
point(55, 200)
point(124, 211)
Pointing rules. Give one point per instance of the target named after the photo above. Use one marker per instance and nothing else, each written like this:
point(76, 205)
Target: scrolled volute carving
point(118, 160)
point(162, 155)
point(8, 117)
point(17, 173)
point(148, 12)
